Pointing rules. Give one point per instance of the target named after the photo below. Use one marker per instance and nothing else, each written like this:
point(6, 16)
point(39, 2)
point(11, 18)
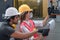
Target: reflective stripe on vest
point(30, 28)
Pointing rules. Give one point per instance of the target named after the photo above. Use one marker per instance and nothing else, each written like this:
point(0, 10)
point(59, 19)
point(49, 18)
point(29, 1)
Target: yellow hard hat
point(24, 8)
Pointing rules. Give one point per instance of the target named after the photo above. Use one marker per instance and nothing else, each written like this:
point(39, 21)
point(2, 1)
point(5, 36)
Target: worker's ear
point(11, 19)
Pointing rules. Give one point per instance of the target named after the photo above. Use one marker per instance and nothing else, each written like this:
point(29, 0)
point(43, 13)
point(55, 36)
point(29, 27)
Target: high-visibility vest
point(30, 28)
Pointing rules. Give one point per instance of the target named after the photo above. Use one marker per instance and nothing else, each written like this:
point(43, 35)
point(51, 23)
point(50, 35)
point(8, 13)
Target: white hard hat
point(11, 11)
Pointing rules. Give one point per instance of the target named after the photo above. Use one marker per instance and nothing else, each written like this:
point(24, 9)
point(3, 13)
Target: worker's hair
point(23, 16)
point(12, 17)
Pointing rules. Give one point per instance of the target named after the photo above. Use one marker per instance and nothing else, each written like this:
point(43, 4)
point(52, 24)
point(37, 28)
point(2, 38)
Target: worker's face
point(29, 15)
point(15, 20)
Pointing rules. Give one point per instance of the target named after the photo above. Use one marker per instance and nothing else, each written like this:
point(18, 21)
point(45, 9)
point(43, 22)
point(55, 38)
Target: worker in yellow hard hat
point(28, 25)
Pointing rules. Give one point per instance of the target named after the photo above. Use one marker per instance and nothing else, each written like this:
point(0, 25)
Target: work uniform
point(24, 29)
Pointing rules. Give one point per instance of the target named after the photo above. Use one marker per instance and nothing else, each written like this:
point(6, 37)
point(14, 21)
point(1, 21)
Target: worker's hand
point(38, 30)
point(35, 30)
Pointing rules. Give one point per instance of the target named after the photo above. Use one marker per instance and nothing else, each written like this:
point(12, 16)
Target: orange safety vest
point(30, 28)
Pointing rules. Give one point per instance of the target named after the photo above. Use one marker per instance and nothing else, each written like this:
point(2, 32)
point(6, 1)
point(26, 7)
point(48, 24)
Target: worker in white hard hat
point(28, 25)
point(7, 29)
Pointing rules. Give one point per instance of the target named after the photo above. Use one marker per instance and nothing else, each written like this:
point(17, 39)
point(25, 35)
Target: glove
point(45, 32)
point(40, 30)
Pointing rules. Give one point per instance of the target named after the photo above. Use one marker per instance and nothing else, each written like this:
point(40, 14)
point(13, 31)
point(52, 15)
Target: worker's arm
point(45, 20)
point(22, 35)
point(8, 31)
point(18, 34)
point(41, 23)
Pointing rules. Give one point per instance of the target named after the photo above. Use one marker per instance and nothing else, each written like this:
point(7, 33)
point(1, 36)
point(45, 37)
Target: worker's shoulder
point(4, 26)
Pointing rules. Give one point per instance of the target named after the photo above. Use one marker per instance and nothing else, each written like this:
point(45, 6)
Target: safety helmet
point(11, 11)
point(24, 8)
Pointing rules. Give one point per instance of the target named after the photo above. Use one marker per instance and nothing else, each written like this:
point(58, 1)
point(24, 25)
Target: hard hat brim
point(30, 10)
point(26, 10)
point(13, 15)
point(18, 13)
